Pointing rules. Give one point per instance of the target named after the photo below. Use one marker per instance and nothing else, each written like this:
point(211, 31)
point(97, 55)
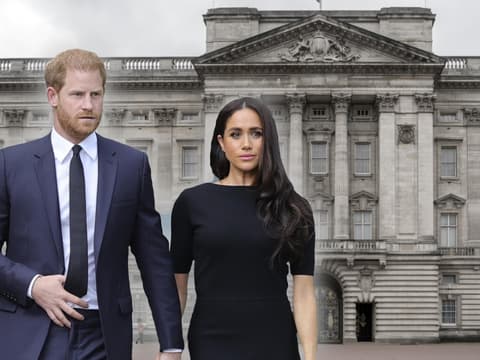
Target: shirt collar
point(62, 147)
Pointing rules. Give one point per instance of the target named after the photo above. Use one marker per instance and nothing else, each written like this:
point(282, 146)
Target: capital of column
point(296, 102)
point(165, 116)
point(425, 102)
point(212, 102)
point(472, 115)
point(386, 102)
point(341, 102)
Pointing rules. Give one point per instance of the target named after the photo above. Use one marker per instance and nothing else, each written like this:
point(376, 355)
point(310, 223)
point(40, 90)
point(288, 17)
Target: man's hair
point(73, 59)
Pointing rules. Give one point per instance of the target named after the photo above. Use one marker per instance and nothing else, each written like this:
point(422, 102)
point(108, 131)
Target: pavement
point(363, 351)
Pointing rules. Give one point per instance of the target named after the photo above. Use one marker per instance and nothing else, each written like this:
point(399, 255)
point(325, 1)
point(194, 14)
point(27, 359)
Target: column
point(296, 103)
point(212, 104)
point(426, 215)
point(387, 166)
point(341, 228)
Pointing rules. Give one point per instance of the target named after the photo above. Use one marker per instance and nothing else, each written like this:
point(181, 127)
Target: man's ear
point(52, 96)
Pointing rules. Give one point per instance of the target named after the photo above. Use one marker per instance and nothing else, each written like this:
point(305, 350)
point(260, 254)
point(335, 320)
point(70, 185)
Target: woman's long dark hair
point(285, 214)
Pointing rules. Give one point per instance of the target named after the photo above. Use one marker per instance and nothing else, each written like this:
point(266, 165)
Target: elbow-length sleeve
point(182, 244)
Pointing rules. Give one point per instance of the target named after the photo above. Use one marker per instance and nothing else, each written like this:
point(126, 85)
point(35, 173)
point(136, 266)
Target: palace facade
point(380, 135)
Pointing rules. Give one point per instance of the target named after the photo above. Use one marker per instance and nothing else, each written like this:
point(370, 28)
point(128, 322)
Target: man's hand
point(49, 294)
point(169, 356)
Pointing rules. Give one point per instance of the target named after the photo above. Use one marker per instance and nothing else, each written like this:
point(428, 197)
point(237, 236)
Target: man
point(68, 215)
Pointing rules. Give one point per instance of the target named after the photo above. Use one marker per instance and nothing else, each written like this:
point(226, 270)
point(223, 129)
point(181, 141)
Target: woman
point(243, 232)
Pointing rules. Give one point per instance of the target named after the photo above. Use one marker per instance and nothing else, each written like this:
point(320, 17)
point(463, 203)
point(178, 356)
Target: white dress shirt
point(62, 151)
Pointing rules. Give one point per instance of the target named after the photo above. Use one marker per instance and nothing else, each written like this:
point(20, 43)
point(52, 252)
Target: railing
point(456, 63)
point(129, 64)
point(152, 64)
point(5, 65)
point(351, 245)
point(459, 251)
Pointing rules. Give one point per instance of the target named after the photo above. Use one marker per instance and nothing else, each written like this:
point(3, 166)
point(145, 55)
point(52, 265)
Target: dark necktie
point(77, 275)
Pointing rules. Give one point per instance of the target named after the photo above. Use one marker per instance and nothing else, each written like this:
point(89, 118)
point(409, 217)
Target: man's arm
point(151, 250)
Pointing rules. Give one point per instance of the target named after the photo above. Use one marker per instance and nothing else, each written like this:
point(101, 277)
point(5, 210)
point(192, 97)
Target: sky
point(136, 28)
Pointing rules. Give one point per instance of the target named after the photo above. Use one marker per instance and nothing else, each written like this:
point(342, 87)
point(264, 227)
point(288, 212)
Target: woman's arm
point(305, 314)
point(182, 288)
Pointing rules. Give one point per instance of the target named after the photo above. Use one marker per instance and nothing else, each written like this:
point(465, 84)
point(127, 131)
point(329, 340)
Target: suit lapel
point(44, 162)
point(107, 170)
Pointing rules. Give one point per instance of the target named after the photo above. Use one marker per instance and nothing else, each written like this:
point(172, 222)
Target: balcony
point(459, 251)
point(352, 250)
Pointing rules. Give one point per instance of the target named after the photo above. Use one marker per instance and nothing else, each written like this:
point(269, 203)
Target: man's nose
point(87, 102)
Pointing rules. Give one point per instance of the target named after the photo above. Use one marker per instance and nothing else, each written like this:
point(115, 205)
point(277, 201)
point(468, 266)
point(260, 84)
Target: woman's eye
point(235, 135)
point(257, 134)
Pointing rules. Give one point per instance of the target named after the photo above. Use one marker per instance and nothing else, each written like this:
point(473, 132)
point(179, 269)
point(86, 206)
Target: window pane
point(319, 158)
point(362, 158)
point(190, 162)
point(448, 230)
point(448, 161)
point(321, 225)
point(362, 225)
point(448, 311)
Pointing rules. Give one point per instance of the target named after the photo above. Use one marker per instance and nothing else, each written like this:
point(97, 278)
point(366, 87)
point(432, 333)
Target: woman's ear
point(220, 141)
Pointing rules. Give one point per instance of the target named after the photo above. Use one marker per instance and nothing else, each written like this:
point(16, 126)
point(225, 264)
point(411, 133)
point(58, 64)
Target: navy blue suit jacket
point(125, 218)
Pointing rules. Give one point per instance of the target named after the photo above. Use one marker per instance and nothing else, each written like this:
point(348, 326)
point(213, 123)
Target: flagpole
point(320, 4)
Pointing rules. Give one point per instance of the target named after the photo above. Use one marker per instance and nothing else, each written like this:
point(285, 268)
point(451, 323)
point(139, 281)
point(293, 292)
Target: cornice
point(322, 68)
point(458, 84)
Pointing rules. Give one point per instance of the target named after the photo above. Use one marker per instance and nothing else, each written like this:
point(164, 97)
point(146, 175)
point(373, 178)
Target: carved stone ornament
point(425, 102)
point(14, 117)
point(165, 116)
point(366, 280)
point(406, 134)
point(319, 49)
point(341, 102)
point(212, 102)
point(296, 102)
point(472, 116)
point(116, 116)
point(386, 102)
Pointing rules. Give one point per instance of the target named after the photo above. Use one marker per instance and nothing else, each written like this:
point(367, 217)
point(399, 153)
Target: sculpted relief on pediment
point(318, 48)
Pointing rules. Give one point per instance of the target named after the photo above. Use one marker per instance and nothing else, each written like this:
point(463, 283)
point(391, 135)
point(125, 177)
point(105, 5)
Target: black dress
point(242, 311)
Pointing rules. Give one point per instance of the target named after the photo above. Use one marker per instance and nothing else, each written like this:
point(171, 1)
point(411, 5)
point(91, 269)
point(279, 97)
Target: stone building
point(381, 135)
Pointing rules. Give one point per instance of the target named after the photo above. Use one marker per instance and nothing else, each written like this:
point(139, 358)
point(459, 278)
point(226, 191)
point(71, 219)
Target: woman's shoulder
point(197, 190)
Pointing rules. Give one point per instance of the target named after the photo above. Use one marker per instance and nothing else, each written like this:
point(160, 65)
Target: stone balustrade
point(351, 246)
point(459, 251)
point(35, 66)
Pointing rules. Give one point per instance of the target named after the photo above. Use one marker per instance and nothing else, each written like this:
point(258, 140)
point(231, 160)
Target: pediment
point(318, 40)
point(363, 195)
point(450, 201)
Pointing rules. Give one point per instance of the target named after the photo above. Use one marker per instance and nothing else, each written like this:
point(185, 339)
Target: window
point(362, 225)
point(448, 161)
point(448, 279)
point(190, 160)
point(139, 117)
point(447, 117)
point(448, 230)
point(362, 159)
point(321, 224)
point(189, 118)
point(318, 112)
point(449, 312)
point(362, 113)
point(318, 158)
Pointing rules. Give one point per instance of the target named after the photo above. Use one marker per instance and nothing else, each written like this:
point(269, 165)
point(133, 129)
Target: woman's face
point(242, 141)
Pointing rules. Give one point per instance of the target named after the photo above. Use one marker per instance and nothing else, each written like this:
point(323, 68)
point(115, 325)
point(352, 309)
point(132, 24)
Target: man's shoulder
point(109, 144)
point(37, 146)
